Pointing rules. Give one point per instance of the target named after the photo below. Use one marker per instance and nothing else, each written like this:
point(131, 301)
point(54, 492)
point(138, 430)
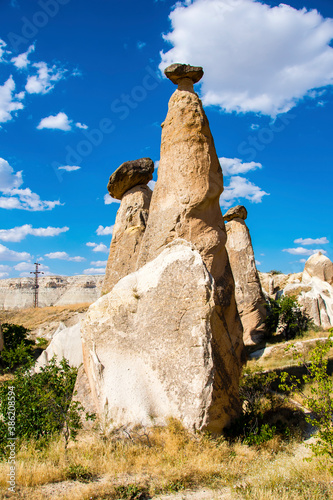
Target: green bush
point(43, 403)
point(17, 347)
point(285, 314)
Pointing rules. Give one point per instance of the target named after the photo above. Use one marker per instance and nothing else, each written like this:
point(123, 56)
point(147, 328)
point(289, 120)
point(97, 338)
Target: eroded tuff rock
point(157, 346)
point(129, 175)
point(185, 201)
point(128, 231)
point(319, 266)
point(313, 293)
point(249, 296)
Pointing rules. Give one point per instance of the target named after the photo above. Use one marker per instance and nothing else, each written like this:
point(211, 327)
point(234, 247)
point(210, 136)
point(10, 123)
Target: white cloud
point(59, 122)
point(311, 241)
point(93, 270)
point(9, 103)
point(64, 256)
point(108, 200)
point(21, 61)
point(9, 179)
point(69, 168)
point(103, 231)
point(302, 261)
point(234, 166)
point(256, 57)
point(140, 45)
point(303, 251)
point(13, 197)
point(2, 49)
point(151, 185)
point(7, 254)
point(29, 266)
point(4, 268)
point(4, 275)
point(258, 263)
point(25, 199)
point(254, 126)
point(43, 82)
point(99, 263)
point(98, 248)
point(20, 232)
point(240, 187)
point(81, 125)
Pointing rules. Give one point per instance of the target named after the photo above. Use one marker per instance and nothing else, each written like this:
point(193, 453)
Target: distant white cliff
point(18, 293)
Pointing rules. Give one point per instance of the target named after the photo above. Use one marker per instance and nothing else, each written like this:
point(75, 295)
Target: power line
point(36, 273)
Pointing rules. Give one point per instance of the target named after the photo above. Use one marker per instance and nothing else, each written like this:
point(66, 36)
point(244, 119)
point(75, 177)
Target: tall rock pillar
point(185, 201)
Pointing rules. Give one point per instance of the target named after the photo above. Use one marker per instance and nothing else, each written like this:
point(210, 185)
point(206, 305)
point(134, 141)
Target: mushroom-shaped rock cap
point(238, 212)
point(177, 72)
point(129, 175)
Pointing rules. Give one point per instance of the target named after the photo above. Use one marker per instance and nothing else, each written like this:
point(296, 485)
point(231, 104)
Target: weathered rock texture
point(313, 292)
point(157, 346)
point(185, 201)
point(129, 175)
point(319, 266)
point(66, 343)
point(249, 296)
point(128, 231)
point(18, 293)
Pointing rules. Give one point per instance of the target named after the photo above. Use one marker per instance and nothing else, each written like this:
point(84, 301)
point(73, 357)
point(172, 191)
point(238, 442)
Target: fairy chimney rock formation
point(249, 295)
point(319, 266)
point(128, 183)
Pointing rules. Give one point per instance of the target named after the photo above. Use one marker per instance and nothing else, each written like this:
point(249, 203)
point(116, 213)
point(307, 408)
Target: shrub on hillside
point(17, 347)
point(286, 316)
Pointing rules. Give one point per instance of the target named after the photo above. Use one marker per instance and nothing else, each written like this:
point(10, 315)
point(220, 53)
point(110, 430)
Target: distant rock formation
point(18, 293)
point(156, 346)
point(312, 288)
point(131, 218)
point(249, 296)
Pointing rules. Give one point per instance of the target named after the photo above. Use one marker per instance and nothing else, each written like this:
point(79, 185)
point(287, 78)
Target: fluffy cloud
point(151, 185)
point(240, 187)
point(59, 121)
point(234, 166)
point(311, 241)
point(256, 57)
point(2, 49)
point(94, 270)
point(21, 61)
point(99, 263)
point(81, 125)
point(69, 168)
point(98, 248)
point(29, 266)
point(64, 256)
point(13, 197)
point(8, 178)
point(303, 251)
point(7, 254)
point(45, 78)
point(20, 232)
point(108, 199)
point(9, 102)
point(103, 231)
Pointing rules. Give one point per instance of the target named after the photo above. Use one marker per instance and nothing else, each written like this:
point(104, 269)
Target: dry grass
point(34, 317)
point(167, 460)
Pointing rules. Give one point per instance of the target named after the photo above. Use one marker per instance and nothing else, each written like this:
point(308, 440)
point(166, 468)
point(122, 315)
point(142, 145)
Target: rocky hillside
point(18, 293)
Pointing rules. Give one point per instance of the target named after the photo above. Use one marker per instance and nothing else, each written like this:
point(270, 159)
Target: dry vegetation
point(167, 460)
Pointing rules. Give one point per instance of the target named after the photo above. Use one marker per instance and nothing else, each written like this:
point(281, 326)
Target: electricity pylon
point(36, 273)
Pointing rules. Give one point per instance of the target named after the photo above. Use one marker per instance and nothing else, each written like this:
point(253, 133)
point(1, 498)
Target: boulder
point(249, 295)
point(157, 346)
point(177, 72)
point(319, 266)
point(185, 201)
point(128, 231)
point(237, 212)
point(66, 343)
point(129, 175)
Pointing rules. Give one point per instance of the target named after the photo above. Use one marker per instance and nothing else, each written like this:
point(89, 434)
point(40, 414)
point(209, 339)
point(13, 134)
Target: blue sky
point(82, 91)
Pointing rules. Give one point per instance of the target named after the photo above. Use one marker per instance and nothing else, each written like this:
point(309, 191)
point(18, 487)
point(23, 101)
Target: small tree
point(286, 316)
point(17, 347)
